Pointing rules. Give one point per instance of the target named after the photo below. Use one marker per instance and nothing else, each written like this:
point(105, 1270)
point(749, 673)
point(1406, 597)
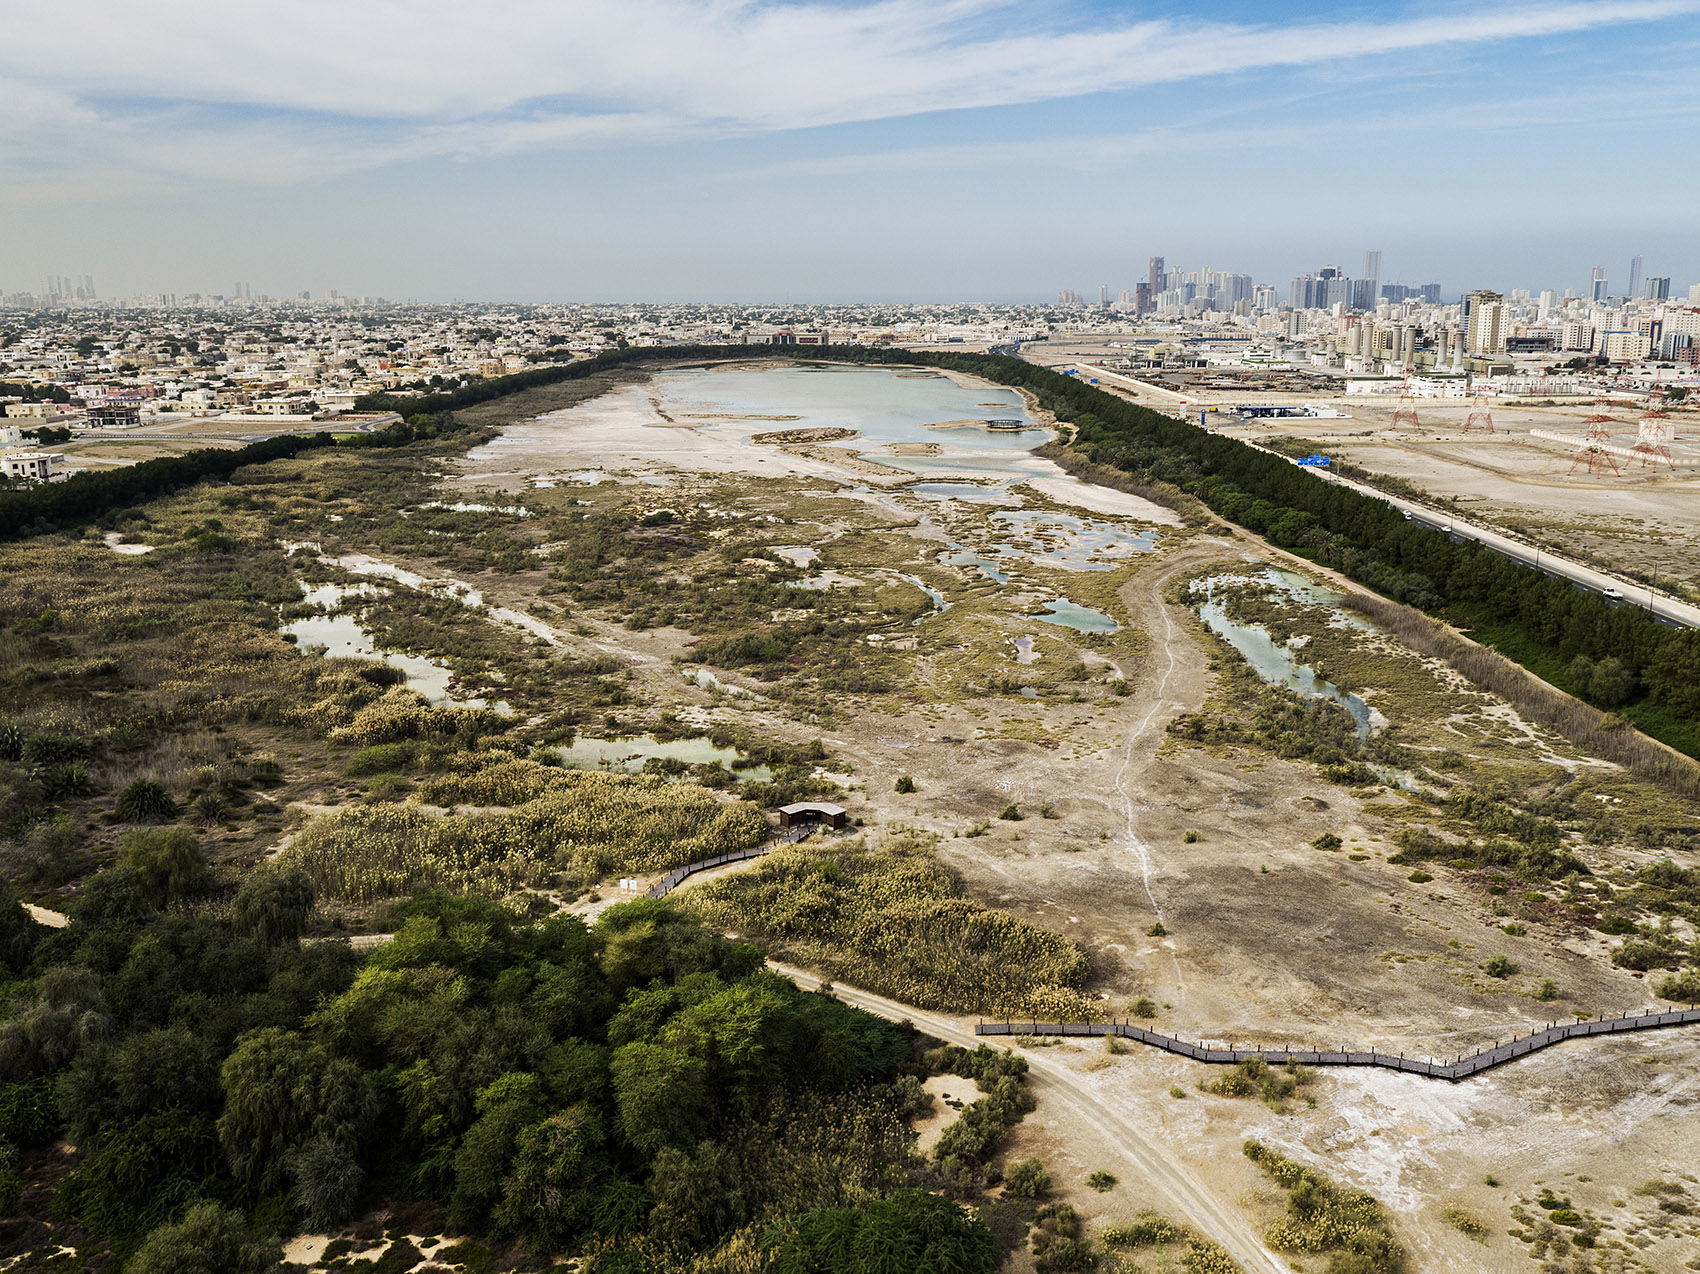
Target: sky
point(854, 150)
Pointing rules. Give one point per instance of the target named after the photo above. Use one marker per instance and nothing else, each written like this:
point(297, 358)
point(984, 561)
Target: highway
point(1663, 607)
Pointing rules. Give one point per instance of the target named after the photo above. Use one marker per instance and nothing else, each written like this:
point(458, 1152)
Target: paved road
point(1663, 606)
point(1058, 1089)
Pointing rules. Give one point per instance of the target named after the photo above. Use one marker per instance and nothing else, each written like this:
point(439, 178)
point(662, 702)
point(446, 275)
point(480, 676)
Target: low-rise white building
point(37, 466)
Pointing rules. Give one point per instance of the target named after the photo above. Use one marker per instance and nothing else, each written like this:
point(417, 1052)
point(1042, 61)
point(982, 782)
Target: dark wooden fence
point(673, 879)
point(1461, 1067)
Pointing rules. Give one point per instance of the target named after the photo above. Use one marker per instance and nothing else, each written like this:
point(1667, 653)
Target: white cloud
point(285, 90)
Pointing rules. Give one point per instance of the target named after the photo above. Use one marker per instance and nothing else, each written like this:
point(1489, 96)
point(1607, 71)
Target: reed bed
point(586, 827)
point(1600, 733)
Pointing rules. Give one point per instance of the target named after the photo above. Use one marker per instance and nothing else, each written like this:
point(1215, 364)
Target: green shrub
point(1150, 1230)
point(1011, 812)
point(1322, 1217)
point(1419, 878)
point(29, 1115)
point(1027, 1180)
point(1102, 1181)
point(1547, 991)
point(904, 784)
point(208, 1238)
point(1642, 956)
point(379, 758)
point(1499, 965)
point(1464, 1222)
point(1683, 988)
point(1157, 930)
point(143, 800)
point(1327, 841)
point(167, 861)
point(1255, 1077)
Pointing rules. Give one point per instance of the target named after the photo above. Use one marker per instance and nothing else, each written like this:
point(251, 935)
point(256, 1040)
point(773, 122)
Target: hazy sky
point(895, 149)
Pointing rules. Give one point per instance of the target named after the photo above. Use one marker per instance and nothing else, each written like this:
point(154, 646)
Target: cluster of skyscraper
point(62, 287)
point(1331, 286)
point(1652, 289)
point(1190, 292)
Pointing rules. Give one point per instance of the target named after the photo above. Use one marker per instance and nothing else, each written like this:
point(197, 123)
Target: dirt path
point(1063, 1098)
point(1178, 686)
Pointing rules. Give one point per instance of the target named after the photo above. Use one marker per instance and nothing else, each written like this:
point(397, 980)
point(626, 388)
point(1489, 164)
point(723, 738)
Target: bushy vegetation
point(578, 823)
point(1348, 1226)
point(643, 1090)
point(1291, 726)
point(1198, 1255)
point(1255, 1077)
point(892, 919)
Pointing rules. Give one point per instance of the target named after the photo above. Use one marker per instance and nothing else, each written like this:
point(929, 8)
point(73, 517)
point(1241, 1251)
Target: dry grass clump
point(485, 779)
point(893, 919)
point(1199, 1255)
point(589, 826)
point(1323, 1217)
point(402, 714)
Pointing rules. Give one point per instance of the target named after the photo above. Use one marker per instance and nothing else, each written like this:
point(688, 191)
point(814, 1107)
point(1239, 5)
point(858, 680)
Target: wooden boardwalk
point(1459, 1068)
point(673, 879)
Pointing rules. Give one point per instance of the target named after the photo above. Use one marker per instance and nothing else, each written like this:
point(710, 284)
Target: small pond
point(341, 636)
point(627, 756)
point(1069, 542)
point(1278, 664)
point(1083, 619)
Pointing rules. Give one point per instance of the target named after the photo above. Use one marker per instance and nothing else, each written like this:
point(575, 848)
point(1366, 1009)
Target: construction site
point(1612, 482)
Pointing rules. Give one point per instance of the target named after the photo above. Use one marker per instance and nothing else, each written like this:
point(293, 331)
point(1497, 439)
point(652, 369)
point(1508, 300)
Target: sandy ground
point(1268, 939)
point(626, 433)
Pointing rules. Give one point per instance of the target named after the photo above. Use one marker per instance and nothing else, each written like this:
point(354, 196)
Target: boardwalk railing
point(673, 879)
point(1459, 1068)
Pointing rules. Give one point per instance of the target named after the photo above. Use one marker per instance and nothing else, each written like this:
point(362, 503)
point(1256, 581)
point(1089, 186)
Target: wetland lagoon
point(918, 445)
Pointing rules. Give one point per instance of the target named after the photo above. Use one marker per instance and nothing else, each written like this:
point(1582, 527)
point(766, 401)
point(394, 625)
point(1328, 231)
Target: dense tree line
point(638, 1090)
point(85, 496)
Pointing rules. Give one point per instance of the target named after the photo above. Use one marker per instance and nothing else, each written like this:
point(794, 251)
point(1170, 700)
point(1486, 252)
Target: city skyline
point(1599, 287)
point(857, 151)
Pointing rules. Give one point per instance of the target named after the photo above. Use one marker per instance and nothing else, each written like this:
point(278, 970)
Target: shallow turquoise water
point(1083, 619)
point(1279, 665)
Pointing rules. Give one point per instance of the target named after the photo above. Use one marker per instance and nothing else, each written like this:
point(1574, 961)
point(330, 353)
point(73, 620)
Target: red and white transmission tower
point(1406, 412)
point(1652, 440)
point(1480, 417)
point(1597, 459)
point(1597, 428)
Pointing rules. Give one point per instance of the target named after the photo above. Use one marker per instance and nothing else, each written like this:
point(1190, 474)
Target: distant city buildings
point(1484, 323)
